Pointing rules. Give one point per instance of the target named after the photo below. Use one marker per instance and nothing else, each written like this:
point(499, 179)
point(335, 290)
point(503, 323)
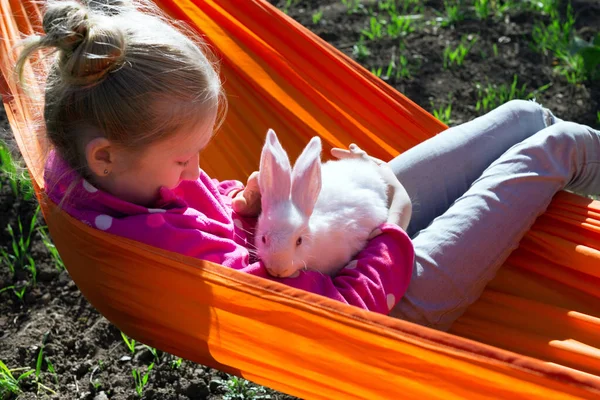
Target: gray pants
point(476, 190)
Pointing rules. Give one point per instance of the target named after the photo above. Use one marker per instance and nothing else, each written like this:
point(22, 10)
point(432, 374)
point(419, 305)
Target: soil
point(88, 354)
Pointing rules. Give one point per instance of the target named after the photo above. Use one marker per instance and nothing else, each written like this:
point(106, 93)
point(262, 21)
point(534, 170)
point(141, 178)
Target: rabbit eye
point(264, 239)
point(299, 241)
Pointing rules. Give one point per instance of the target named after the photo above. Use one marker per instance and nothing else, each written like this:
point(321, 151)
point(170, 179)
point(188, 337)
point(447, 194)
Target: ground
point(519, 43)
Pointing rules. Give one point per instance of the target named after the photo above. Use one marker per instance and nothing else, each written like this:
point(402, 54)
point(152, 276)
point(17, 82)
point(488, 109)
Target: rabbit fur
point(315, 216)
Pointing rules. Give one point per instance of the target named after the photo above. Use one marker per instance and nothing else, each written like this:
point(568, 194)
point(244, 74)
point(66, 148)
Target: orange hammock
point(535, 332)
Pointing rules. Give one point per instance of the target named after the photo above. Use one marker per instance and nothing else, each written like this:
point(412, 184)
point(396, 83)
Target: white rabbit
point(316, 216)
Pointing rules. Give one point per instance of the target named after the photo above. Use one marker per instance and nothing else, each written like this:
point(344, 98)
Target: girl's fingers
point(247, 203)
point(252, 182)
point(354, 152)
point(342, 153)
point(357, 150)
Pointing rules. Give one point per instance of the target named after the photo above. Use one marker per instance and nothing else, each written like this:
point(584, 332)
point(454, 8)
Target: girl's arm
point(400, 210)
point(375, 280)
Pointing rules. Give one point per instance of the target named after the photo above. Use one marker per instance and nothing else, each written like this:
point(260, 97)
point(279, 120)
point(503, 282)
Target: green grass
point(18, 177)
point(41, 358)
point(492, 96)
point(482, 8)
point(453, 12)
point(554, 36)
point(154, 352)
point(95, 382)
point(572, 67)
point(240, 389)
point(176, 364)
point(457, 56)
point(393, 26)
point(289, 4)
point(399, 26)
point(130, 343)
point(352, 6)
point(361, 51)
point(317, 17)
point(19, 256)
point(9, 383)
point(375, 29)
point(398, 68)
point(18, 292)
point(589, 53)
point(577, 61)
point(141, 379)
point(485, 9)
point(443, 113)
point(547, 7)
point(58, 262)
point(395, 7)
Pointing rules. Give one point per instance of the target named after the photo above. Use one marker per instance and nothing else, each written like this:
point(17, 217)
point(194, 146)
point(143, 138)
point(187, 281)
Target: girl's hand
point(399, 204)
point(384, 169)
point(247, 201)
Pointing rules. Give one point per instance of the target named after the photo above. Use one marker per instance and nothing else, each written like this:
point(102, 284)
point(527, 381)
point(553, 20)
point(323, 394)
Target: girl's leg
point(461, 250)
point(438, 171)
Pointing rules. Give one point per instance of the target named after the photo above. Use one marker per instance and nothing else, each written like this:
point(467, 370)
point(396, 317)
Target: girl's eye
point(299, 241)
point(183, 164)
point(264, 239)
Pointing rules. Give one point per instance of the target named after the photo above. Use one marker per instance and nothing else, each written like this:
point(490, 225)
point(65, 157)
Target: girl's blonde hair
point(122, 71)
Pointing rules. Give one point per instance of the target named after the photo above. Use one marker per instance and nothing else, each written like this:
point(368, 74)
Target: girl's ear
point(99, 156)
point(274, 177)
point(306, 177)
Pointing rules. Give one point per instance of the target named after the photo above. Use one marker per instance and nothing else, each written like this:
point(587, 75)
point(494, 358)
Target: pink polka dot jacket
point(196, 219)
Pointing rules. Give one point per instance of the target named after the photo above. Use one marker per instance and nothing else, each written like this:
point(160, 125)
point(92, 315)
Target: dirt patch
point(501, 48)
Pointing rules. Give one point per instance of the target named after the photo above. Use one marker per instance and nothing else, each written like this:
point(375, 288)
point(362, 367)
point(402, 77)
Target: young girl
point(131, 102)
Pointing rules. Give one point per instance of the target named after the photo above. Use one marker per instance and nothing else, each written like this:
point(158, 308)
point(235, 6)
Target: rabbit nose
point(274, 273)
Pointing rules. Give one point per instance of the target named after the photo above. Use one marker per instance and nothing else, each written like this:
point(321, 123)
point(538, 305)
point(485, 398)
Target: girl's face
point(137, 176)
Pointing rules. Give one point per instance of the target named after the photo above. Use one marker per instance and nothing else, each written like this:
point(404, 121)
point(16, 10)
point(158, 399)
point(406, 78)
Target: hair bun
point(92, 43)
point(110, 7)
point(65, 24)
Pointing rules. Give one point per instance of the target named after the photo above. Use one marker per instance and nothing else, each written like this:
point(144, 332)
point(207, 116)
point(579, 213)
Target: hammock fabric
point(533, 333)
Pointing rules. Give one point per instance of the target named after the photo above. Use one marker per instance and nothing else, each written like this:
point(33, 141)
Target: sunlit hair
point(123, 71)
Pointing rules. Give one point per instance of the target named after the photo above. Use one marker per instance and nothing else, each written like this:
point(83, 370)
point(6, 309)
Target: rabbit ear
point(306, 177)
point(274, 177)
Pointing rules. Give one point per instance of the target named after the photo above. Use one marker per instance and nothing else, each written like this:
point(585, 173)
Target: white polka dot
point(391, 301)
point(351, 264)
point(238, 223)
point(103, 222)
point(88, 186)
point(156, 210)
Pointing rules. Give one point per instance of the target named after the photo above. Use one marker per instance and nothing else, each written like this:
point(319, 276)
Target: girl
point(131, 102)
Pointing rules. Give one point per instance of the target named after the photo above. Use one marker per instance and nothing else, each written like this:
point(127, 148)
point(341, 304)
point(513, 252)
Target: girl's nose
point(191, 171)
